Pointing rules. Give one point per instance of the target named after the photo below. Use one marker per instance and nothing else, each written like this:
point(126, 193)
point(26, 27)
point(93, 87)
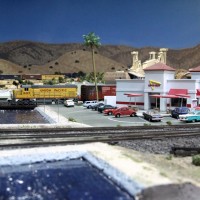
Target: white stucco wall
point(166, 78)
point(195, 75)
point(129, 86)
point(158, 76)
point(189, 84)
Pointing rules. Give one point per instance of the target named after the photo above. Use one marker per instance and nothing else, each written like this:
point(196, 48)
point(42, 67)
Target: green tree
point(16, 83)
point(100, 77)
point(61, 79)
point(93, 41)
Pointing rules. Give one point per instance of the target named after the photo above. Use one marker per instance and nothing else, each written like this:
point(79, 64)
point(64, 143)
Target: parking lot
point(96, 119)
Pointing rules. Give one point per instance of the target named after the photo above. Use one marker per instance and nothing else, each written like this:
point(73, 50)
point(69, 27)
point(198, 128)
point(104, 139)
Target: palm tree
point(93, 41)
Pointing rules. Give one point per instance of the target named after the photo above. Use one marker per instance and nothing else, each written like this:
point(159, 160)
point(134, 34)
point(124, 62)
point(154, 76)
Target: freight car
point(88, 92)
point(9, 77)
point(29, 94)
point(31, 77)
point(52, 76)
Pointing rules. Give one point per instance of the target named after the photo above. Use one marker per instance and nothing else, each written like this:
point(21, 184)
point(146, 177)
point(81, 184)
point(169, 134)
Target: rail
point(10, 138)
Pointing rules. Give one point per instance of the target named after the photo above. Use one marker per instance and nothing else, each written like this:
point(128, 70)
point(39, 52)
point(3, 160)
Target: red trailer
point(88, 92)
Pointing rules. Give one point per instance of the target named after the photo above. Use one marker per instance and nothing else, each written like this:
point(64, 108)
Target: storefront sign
point(153, 84)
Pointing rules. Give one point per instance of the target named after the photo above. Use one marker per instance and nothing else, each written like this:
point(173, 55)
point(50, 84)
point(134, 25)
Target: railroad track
point(10, 138)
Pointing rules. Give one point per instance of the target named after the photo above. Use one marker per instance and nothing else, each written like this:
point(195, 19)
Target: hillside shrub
point(196, 160)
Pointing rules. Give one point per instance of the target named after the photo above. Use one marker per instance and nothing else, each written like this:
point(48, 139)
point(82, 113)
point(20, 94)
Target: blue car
point(179, 111)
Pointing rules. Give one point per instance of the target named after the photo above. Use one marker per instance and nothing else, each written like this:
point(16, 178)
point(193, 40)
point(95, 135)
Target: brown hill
point(7, 67)
point(33, 57)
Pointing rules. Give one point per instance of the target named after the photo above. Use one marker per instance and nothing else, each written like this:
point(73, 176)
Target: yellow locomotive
point(29, 93)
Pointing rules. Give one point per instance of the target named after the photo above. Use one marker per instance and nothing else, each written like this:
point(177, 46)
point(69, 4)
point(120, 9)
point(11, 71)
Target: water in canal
point(67, 180)
point(21, 117)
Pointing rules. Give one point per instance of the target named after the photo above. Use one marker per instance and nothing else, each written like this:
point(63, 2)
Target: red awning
point(178, 91)
point(163, 96)
point(198, 93)
point(133, 94)
point(183, 95)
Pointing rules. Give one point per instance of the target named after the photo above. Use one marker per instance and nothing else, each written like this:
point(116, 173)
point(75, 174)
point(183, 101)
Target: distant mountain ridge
point(35, 57)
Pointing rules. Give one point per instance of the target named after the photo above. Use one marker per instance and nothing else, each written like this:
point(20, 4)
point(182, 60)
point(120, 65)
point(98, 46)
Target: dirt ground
point(184, 177)
point(185, 191)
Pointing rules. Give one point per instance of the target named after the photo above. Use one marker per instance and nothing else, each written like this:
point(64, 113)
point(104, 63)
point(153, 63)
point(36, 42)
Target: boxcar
point(52, 76)
point(32, 77)
point(88, 92)
point(9, 77)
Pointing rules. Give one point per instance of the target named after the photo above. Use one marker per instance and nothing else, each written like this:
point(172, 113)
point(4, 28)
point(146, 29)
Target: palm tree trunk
point(95, 76)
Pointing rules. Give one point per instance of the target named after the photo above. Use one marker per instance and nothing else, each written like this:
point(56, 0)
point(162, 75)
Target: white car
point(193, 116)
point(69, 103)
point(89, 104)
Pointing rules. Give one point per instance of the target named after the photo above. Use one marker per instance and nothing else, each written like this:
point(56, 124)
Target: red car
point(109, 111)
point(124, 111)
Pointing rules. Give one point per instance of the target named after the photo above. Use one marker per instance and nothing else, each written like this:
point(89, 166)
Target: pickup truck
point(89, 104)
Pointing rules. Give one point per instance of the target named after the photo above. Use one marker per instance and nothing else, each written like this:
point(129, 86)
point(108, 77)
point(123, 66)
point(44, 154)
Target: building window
point(178, 102)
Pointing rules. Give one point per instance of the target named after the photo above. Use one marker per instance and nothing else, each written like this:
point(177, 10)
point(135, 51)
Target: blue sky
point(137, 23)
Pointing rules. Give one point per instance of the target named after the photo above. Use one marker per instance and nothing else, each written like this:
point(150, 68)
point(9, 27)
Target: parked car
point(88, 104)
point(97, 105)
point(190, 117)
point(124, 111)
point(152, 115)
point(102, 108)
point(179, 111)
point(109, 111)
point(197, 108)
point(69, 103)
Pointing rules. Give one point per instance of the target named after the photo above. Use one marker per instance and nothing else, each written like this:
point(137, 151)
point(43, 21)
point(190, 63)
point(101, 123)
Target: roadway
point(94, 118)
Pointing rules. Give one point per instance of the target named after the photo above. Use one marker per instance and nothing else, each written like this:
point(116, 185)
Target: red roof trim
point(196, 69)
point(159, 67)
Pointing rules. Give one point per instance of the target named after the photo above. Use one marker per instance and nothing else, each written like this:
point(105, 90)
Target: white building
point(159, 80)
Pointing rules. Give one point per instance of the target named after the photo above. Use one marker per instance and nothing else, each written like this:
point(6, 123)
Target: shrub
point(169, 123)
point(71, 119)
point(76, 61)
point(169, 157)
point(146, 124)
point(196, 160)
